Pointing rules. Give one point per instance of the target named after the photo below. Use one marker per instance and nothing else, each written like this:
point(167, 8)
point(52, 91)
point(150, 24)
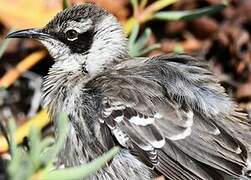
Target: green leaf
point(133, 36)
point(150, 48)
point(178, 49)
point(35, 147)
point(41, 154)
point(18, 157)
point(134, 5)
point(139, 47)
point(189, 14)
point(14, 164)
point(84, 170)
point(141, 43)
point(46, 142)
point(5, 44)
point(19, 167)
point(52, 151)
point(11, 131)
point(66, 4)
point(62, 127)
point(143, 3)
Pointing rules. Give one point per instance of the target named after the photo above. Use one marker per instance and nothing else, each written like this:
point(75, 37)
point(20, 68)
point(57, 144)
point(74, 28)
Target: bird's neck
point(109, 46)
point(66, 92)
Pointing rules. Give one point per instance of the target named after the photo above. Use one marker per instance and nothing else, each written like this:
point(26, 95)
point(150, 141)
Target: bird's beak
point(29, 33)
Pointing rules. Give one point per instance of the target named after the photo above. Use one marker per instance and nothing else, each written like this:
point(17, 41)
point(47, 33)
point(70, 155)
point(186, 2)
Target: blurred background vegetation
point(217, 31)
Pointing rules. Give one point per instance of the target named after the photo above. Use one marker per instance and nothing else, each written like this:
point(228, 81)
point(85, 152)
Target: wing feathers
point(186, 165)
point(202, 150)
point(167, 110)
point(148, 135)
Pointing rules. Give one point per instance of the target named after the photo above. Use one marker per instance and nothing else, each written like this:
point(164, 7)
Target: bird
point(168, 113)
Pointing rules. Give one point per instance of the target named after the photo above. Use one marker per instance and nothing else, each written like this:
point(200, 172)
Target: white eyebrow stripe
point(80, 27)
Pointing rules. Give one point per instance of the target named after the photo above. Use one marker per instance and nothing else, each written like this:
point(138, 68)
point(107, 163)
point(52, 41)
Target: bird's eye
point(72, 34)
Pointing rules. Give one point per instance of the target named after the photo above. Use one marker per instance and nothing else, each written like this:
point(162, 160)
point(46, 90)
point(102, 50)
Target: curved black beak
point(29, 33)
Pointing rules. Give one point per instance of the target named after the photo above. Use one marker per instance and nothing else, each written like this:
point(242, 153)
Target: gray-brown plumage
point(168, 113)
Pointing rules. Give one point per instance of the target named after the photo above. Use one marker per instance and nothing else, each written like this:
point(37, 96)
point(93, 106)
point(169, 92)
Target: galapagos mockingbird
point(168, 113)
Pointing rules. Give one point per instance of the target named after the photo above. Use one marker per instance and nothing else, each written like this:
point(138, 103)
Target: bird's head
point(82, 37)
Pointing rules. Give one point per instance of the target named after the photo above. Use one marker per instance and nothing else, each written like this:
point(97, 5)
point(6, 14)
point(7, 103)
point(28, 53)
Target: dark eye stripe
point(81, 44)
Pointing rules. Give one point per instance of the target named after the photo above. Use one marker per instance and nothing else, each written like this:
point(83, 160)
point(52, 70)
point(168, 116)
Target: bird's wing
point(166, 111)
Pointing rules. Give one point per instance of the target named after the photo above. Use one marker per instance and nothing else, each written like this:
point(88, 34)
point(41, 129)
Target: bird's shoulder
point(182, 79)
